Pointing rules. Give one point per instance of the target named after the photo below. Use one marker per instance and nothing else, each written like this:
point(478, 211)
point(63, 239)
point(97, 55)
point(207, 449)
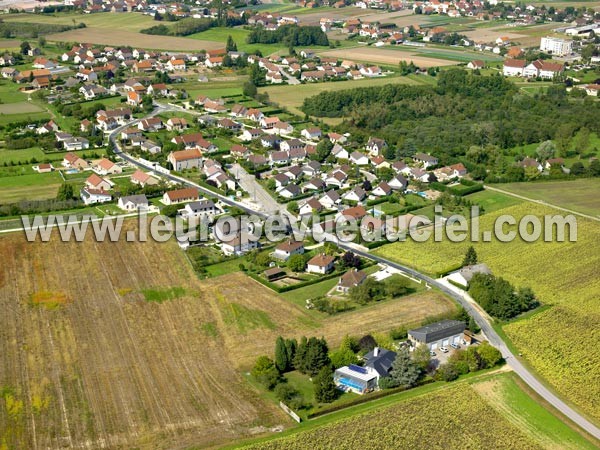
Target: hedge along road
point(492, 336)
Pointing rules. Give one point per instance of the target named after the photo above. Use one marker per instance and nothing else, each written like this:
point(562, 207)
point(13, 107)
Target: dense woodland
point(465, 117)
point(290, 35)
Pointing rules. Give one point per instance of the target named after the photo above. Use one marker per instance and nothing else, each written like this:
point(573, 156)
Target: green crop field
point(125, 21)
point(578, 195)
point(29, 187)
point(239, 35)
point(293, 96)
point(505, 414)
point(565, 277)
point(490, 201)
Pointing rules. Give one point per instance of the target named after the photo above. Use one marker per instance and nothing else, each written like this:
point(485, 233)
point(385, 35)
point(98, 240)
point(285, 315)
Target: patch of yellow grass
point(49, 299)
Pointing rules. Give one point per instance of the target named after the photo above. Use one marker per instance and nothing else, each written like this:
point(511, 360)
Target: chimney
point(376, 351)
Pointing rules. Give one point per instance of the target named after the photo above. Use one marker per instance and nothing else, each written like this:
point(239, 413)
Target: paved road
point(258, 193)
point(125, 156)
point(494, 339)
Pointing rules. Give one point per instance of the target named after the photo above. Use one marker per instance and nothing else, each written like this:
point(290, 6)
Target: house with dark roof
point(364, 379)
point(438, 334)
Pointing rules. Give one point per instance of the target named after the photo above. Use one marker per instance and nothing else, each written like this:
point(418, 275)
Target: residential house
point(398, 183)
point(185, 159)
point(376, 146)
point(363, 379)
point(143, 179)
point(286, 249)
point(132, 203)
point(464, 275)
point(93, 196)
point(311, 133)
point(310, 207)
point(72, 161)
point(350, 279)
point(476, 64)
point(290, 191)
point(151, 124)
point(176, 124)
point(320, 263)
point(357, 194)
point(180, 196)
point(330, 199)
point(425, 159)
point(358, 158)
point(107, 167)
point(383, 189)
point(198, 209)
point(96, 182)
point(514, 67)
point(239, 244)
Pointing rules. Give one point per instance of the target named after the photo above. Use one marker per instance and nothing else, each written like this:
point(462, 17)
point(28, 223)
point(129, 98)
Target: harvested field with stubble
point(103, 36)
point(90, 359)
point(254, 316)
point(382, 56)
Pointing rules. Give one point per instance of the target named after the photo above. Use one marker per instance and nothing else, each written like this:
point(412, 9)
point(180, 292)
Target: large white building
point(556, 46)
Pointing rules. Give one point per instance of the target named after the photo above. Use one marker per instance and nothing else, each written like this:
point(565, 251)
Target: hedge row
point(282, 289)
point(364, 399)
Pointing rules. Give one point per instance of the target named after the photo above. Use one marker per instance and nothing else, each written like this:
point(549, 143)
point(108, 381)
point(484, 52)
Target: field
point(19, 108)
point(239, 36)
point(29, 187)
point(254, 316)
point(576, 195)
point(505, 415)
point(94, 354)
point(103, 36)
point(292, 96)
point(490, 201)
point(563, 275)
point(127, 349)
point(385, 56)
point(127, 22)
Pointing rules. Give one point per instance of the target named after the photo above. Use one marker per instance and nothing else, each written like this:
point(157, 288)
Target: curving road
point(113, 137)
point(494, 339)
point(474, 312)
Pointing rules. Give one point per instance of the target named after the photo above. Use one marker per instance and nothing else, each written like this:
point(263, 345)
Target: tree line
point(289, 35)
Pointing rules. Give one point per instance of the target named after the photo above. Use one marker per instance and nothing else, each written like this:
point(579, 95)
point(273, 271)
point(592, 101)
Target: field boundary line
point(541, 202)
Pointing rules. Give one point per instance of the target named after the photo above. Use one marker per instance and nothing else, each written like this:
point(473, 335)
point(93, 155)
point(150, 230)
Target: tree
point(470, 257)
point(343, 357)
point(296, 263)
point(249, 89)
point(323, 150)
point(367, 343)
point(405, 372)
point(447, 372)
point(231, 46)
point(311, 356)
point(293, 207)
point(577, 168)
point(42, 41)
point(290, 347)
point(325, 389)
point(25, 47)
point(546, 150)
point(350, 260)
point(472, 325)
point(396, 285)
point(65, 192)
point(257, 75)
point(265, 372)
point(422, 357)
point(595, 168)
point(367, 291)
point(281, 355)
point(490, 356)
point(581, 141)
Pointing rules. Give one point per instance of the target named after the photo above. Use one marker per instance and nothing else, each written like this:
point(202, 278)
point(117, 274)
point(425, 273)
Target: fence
point(291, 413)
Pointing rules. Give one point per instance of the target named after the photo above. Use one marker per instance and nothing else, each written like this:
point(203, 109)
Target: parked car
point(432, 353)
point(456, 346)
point(443, 350)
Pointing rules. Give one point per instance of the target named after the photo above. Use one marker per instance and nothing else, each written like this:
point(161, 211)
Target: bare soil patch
point(382, 56)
